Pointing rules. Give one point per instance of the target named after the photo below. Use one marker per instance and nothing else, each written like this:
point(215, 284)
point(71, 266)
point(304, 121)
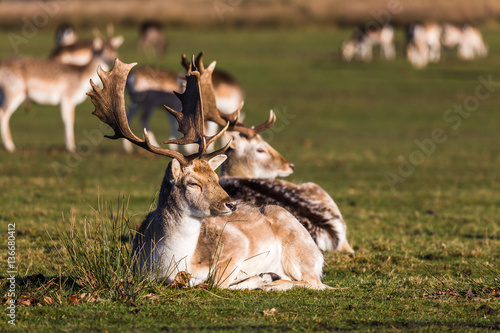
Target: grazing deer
point(467, 39)
point(152, 39)
point(148, 88)
point(423, 44)
point(81, 52)
point(251, 166)
point(152, 87)
point(361, 44)
point(65, 35)
point(47, 82)
point(223, 86)
point(196, 227)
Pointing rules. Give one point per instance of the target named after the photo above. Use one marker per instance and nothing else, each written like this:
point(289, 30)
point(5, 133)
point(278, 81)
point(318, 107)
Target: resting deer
point(196, 227)
point(47, 82)
point(361, 44)
point(251, 166)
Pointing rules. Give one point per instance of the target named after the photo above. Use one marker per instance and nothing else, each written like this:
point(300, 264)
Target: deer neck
point(177, 231)
point(236, 166)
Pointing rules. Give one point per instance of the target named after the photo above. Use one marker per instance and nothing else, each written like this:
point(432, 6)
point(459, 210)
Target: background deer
point(152, 39)
point(70, 51)
point(196, 226)
point(151, 87)
point(65, 35)
point(467, 39)
point(47, 82)
point(252, 164)
point(361, 44)
point(423, 44)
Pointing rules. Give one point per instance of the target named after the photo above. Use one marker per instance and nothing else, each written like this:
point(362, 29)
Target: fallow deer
point(152, 39)
point(423, 44)
point(467, 39)
point(81, 52)
point(65, 35)
point(151, 87)
point(148, 88)
point(361, 44)
point(196, 227)
point(47, 82)
point(251, 166)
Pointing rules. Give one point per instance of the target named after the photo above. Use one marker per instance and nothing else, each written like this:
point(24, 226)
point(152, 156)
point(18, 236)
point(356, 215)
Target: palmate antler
point(109, 105)
point(209, 105)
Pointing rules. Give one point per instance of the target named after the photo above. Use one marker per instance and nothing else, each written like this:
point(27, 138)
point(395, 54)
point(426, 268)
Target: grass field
point(427, 241)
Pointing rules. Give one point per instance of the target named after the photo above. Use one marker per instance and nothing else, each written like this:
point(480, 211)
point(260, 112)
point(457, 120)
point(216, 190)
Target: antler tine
point(210, 110)
point(191, 119)
point(247, 131)
point(109, 105)
point(185, 63)
point(199, 62)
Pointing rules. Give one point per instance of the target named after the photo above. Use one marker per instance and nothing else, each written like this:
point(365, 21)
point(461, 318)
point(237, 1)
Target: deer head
point(190, 183)
point(250, 156)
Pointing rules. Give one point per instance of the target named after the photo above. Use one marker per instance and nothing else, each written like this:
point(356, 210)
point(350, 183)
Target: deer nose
point(292, 166)
point(231, 205)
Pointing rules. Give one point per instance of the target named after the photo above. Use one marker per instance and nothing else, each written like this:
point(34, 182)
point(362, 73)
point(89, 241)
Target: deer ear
point(236, 140)
point(97, 44)
point(216, 161)
point(175, 169)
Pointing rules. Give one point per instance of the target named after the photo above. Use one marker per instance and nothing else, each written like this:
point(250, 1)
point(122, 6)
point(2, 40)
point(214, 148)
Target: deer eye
point(195, 186)
point(261, 150)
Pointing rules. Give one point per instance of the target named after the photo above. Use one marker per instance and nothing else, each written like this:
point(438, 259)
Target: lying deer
point(196, 227)
point(251, 166)
point(47, 82)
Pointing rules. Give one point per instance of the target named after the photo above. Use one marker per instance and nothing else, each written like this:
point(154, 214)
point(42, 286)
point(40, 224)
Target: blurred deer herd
point(282, 228)
point(424, 42)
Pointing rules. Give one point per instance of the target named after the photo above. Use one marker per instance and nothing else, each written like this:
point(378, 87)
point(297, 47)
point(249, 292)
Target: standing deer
point(81, 52)
point(196, 227)
point(251, 166)
point(467, 39)
point(423, 44)
point(148, 88)
point(65, 35)
point(47, 82)
point(361, 44)
point(152, 87)
point(152, 39)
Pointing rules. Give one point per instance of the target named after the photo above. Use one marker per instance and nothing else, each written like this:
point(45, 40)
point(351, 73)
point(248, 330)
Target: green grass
point(427, 251)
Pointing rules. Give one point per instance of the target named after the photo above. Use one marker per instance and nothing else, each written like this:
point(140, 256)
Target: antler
point(110, 108)
point(209, 105)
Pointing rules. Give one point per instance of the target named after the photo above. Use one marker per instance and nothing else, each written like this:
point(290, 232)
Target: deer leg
point(255, 282)
point(68, 117)
point(6, 111)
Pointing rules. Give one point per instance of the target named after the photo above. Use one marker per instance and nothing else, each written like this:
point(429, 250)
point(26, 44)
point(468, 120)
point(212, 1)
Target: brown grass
point(231, 13)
